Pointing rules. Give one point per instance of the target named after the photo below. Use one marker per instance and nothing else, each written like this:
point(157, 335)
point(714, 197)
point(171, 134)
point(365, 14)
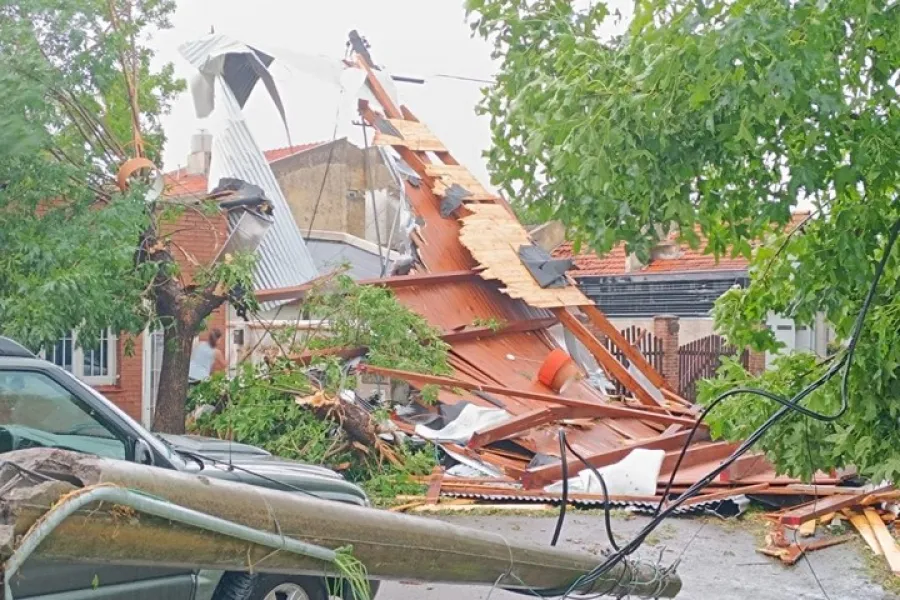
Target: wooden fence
point(648, 344)
point(699, 360)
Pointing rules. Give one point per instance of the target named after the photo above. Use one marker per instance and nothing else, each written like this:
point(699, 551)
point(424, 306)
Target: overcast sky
point(420, 38)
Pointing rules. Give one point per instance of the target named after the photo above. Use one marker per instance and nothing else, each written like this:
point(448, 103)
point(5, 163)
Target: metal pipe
point(151, 506)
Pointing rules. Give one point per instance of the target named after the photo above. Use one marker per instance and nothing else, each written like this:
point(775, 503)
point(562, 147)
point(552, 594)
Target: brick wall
point(196, 240)
point(666, 328)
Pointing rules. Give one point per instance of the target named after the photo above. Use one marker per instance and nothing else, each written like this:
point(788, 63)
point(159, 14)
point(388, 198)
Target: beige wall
point(345, 203)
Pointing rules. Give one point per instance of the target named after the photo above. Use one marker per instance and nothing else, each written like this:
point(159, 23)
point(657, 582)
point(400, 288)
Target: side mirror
point(143, 455)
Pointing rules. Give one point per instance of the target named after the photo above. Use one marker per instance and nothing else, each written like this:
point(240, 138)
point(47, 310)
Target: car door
point(37, 410)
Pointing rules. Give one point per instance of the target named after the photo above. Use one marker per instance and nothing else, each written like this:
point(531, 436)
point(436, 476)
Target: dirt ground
point(718, 560)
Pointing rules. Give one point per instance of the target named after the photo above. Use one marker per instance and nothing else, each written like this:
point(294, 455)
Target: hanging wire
point(788, 406)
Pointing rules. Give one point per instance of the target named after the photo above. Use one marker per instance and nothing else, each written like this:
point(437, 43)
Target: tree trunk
point(173, 378)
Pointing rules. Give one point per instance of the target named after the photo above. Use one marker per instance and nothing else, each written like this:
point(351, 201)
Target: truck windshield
point(139, 429)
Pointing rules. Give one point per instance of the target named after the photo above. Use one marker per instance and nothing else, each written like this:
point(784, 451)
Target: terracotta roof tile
point(686, 260)
point(182, 183)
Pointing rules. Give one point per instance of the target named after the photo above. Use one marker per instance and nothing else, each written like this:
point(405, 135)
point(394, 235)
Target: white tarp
point(634, 475)
point(472, 418)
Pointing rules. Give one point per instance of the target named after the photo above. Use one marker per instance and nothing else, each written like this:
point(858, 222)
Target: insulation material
point(459, 431)
point(635, 475)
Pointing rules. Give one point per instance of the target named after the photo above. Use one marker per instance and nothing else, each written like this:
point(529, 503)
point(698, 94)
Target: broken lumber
point(828, 505)
point(437, 551)
point(885, 540)
point(861, 523)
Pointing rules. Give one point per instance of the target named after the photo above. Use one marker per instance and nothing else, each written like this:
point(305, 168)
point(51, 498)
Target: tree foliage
point(725, 115)
point(81, 97)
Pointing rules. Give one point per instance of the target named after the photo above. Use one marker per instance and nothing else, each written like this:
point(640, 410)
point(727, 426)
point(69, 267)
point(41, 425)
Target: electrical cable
point(334, 134)
point(788, 405)
point(563, 446)
point(565, 487)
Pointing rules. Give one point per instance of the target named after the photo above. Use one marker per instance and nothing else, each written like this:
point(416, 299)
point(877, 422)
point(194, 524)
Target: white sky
point(418, 38)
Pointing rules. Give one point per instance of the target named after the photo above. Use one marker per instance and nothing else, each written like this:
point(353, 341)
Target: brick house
point(129, 378)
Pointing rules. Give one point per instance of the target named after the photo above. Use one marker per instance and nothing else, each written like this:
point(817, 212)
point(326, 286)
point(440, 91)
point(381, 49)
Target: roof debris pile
point(499, 414)
point(475, 276)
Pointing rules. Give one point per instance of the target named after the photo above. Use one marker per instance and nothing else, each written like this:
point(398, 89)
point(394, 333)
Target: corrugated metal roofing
point(283, 258)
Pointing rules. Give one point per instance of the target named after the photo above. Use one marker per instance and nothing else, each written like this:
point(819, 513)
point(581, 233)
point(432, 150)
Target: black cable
point(334, 133)
point(563, 446)
point(787, 406)
point(565, 487)
point(607, 517)
point(234, 467)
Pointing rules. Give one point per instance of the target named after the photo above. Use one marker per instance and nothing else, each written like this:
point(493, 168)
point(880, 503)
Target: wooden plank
point(861, 523)
point(476, 333)
point(445, 157)
point(541, 476)
point(413, 135)
point(823, 507)
point(697, 454)
point(413, 159)
point(609, 363)
point(885, 539)
point(297, 292)
point(434, 485)
point(746, 466)
point(599, 320)
point(725, 494)
point(600, 410)
point(381, 95)
point(807, 529)
point(517, 425)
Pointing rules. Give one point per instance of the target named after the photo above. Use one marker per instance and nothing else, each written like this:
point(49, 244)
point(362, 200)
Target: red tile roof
point(685, 260)
point(182, 183)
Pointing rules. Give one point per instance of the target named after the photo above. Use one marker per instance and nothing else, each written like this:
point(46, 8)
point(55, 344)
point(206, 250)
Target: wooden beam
point(517, 425)
point(697, 454)
point(822, 507)
point(746, 466)
point(541, 476)
point(413, 159)
point(885, 540)
point(610, 364)
point(476, 333)
point(297, 292)
point(434, 485)
point(596, 316)
point(606, 410)
point(381, 95)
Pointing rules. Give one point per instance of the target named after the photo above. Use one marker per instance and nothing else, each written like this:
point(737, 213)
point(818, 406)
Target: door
point(38, 411)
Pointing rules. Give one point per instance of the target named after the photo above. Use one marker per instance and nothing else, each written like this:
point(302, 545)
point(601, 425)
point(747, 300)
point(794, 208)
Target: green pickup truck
point(42, 405)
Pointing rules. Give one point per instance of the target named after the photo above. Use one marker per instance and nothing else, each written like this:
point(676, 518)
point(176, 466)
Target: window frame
point(78, 353)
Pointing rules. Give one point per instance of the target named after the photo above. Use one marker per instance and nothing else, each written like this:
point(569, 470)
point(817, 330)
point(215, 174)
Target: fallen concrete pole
point(391, 546)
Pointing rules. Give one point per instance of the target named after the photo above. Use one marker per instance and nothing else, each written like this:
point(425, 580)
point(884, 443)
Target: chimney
point(201, 153)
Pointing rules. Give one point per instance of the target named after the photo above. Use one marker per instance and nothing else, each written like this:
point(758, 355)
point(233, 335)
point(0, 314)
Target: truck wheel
point(288, 587)
point(236, 586)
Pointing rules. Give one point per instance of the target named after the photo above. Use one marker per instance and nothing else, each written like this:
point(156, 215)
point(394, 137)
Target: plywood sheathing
point(493, 236)
point(413, 135)
point(446, 175)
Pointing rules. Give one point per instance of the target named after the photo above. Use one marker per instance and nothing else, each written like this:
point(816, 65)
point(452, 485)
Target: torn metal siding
point(283, 258)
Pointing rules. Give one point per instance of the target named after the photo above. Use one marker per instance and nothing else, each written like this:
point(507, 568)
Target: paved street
point(721, 562)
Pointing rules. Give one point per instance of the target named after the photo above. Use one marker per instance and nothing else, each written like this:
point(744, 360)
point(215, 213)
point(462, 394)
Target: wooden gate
point(699, 360)
point(648, 344)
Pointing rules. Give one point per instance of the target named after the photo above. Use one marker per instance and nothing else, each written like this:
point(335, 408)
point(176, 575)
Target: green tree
point(725, 115)
point(80, 97)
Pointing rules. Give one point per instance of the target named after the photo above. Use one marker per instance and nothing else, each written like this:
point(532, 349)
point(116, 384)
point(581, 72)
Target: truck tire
point(289, 587)
point(236, 586)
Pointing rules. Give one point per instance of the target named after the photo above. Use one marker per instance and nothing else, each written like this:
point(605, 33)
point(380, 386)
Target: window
point(94, 364)
point(37, 412)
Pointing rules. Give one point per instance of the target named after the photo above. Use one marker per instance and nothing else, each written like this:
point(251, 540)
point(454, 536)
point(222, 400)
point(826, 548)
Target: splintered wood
point(493, 236)
point(415, 136)
point(446, 175)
